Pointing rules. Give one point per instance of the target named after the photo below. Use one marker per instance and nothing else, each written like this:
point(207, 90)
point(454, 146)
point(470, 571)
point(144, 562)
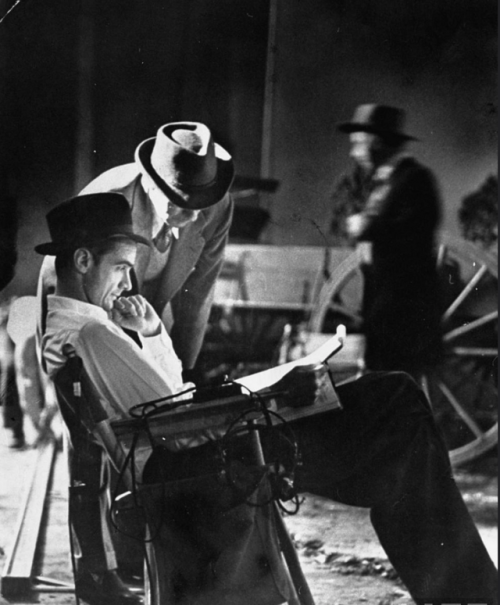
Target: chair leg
point(304, 596)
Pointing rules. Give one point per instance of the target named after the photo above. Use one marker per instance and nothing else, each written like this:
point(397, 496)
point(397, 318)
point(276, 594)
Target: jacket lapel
point(182, 259)
point(143, 224)
point(184, 252)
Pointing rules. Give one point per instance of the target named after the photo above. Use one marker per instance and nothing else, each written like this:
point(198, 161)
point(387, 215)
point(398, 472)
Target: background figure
point(12, 413)
point(9, 397)
point(8, 236)
point(26, 394)
point(37, 398)
point(478, 215)
point(400, 214)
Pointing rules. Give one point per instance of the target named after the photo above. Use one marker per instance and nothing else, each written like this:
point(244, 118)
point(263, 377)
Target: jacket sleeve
point(191, 305)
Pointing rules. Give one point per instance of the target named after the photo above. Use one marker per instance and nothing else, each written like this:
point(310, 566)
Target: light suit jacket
point(187, 282)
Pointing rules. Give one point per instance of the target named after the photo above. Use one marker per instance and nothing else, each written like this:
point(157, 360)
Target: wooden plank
point(286, 277)
point(267, 118)
point(238, 303)
point(18, 569)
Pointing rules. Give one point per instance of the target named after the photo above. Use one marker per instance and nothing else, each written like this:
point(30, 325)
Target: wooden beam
point(85, 128)
point(267, 121)
point(18, 569)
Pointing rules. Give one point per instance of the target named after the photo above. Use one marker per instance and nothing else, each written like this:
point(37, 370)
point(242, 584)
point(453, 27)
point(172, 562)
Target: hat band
point(171, 177)
point(84, 235)
point(188, 187)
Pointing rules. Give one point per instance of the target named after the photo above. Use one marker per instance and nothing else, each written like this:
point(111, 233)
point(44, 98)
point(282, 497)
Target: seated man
point(382, 451)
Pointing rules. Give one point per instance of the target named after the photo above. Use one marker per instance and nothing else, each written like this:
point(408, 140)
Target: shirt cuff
point(156, 345)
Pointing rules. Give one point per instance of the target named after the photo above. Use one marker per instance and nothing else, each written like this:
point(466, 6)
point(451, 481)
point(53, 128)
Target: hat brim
point(53, 248)
point(348, 127)
point(190, 199)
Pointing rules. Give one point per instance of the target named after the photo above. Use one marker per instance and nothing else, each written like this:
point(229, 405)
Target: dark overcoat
point(401, 305)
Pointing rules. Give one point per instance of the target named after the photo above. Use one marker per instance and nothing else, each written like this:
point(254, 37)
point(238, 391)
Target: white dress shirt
point(122, 373)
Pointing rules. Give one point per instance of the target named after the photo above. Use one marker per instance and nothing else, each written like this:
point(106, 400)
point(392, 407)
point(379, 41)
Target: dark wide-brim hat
point(381, 120)
point(186, 164)
point(88, 219)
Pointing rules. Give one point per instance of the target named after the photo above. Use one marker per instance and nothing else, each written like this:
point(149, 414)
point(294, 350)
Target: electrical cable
point(283, 463)
point(280, 480)
point(142, 407)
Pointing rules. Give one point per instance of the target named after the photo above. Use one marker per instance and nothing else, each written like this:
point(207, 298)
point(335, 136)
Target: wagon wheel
point(463, 388)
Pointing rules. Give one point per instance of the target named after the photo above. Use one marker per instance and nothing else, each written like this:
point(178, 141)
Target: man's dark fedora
point(184, 162)
point(88, 219)
point(382, 120)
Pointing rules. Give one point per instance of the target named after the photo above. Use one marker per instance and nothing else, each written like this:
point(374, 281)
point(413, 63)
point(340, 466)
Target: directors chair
point(212, 531)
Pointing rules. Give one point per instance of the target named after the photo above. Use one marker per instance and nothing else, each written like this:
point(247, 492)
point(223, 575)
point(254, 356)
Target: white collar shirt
point(123, 373)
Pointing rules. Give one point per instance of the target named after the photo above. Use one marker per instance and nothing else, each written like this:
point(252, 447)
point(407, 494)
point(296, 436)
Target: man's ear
point(83, 260)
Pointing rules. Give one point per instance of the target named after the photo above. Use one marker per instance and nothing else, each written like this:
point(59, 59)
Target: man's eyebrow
point(124, 262)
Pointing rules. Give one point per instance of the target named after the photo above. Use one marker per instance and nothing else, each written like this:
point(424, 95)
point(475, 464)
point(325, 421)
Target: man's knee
point(398, 383)
point(404, 388)
point(395, 379)
point(395, 392)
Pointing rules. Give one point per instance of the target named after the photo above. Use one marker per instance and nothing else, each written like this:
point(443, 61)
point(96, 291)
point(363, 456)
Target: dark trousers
point(383, 451)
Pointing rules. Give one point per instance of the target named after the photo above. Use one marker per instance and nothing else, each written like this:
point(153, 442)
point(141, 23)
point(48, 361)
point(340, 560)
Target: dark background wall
point(82, 82)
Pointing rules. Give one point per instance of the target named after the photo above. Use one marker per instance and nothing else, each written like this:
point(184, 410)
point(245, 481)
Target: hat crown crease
point(186, 158)
point(187, 165)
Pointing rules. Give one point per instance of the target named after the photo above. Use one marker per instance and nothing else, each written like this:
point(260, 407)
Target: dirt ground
point(343, 559)
point(339, 551)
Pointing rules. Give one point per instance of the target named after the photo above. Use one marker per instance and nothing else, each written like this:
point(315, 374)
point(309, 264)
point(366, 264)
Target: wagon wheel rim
point(347, 271)
point(481, 265)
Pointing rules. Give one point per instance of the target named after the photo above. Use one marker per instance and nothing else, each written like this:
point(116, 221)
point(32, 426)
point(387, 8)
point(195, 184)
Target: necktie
point(163, 239)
